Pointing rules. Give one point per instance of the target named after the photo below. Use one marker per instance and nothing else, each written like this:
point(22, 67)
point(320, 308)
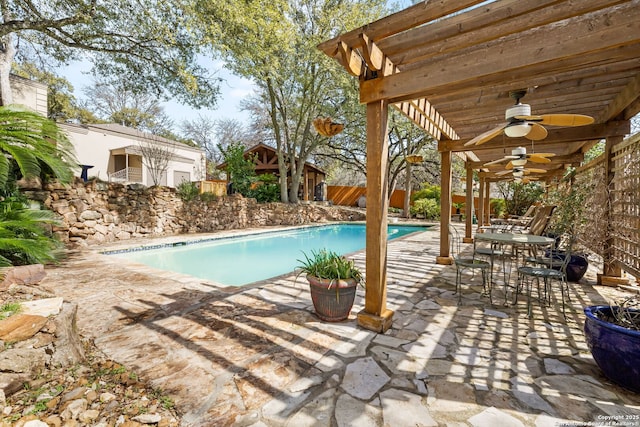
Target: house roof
point(450, 66)
point(266, 148)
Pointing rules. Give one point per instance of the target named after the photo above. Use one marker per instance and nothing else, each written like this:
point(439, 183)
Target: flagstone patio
point(258, 356)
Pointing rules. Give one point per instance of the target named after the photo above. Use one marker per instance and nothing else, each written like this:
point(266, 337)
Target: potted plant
point(332, 282)
point(613, 336)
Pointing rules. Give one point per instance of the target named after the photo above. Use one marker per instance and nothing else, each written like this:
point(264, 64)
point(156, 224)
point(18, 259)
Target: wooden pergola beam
point(518, 52)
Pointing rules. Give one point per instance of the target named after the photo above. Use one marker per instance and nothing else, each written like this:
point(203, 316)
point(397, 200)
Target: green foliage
point(518, 197)
point(274, 44)
point(9, 308)
point(152, 46)
point(429, 208)
point(267, 189)
point(498, 207)
point(23, 232)
point(187, 191)
point(241, 171)
point(428, 191)
point(61, 103)
point(326, 264)
point(208, 197)
point(570, 212)
point(26, 139)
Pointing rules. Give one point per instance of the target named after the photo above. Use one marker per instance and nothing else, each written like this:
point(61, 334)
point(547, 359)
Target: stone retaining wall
point(97, 212)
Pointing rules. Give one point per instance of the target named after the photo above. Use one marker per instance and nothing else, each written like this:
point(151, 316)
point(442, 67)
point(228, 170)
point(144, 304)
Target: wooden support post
point(375, 316)
point(487, 203)
point(445, 208)
point(481, 203)
point(468, 222)
point(611, 271)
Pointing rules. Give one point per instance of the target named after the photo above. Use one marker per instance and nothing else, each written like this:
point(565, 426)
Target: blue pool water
point(240, 260)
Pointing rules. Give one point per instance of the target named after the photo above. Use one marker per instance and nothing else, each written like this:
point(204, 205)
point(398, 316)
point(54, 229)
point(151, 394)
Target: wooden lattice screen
point(623, 205)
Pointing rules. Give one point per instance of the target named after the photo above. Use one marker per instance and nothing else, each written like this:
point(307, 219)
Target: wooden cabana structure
point(450, 66)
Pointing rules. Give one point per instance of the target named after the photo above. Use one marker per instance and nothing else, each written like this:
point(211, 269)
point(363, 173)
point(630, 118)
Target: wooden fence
point(619, 215)
point(217, 187)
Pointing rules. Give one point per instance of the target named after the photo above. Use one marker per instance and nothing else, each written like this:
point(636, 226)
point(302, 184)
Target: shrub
point(208, 197)
point(428, 191)
point(498, 207)
point(188, 191)
point(429, 208)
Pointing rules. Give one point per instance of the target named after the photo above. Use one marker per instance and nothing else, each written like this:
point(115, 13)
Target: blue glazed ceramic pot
point(615, 349)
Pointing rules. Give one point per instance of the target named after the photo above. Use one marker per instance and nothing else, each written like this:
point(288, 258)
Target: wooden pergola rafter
point(450, 65)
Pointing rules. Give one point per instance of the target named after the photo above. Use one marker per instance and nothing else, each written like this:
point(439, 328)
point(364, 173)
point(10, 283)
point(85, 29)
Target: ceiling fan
point(520, 122)
point(520, 171)
point(519, 157)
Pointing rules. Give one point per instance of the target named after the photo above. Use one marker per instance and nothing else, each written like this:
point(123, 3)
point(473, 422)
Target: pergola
point(449, 65)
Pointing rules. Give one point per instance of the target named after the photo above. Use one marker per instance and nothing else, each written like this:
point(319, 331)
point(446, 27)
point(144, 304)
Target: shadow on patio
point(258, 356)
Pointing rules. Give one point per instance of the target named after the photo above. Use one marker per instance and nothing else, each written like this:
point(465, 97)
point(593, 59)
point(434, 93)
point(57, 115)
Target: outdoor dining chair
point(462, 263)
point(549, 268)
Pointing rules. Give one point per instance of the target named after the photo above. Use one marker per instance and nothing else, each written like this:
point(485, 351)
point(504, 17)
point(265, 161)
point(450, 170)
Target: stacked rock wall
point(97, 212)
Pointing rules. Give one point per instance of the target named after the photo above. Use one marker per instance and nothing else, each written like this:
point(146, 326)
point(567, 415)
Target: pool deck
point(258, 356)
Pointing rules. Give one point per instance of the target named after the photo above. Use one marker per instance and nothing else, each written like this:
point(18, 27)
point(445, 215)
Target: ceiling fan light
point(517, 130)
point(519, 162)
point(518, 173)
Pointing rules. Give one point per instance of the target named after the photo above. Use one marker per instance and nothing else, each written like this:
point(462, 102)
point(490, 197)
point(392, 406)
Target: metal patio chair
point(463, 263)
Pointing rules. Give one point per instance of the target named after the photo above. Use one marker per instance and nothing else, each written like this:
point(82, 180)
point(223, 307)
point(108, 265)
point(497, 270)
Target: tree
point(156, 156)
point(241, 171)
point(62, 105)
point(211, 134)
point(113, 102)
point(149, 45)
point(274, 44)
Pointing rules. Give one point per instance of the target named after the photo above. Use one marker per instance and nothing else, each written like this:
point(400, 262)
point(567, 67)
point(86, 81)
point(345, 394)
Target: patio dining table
point(528, 241)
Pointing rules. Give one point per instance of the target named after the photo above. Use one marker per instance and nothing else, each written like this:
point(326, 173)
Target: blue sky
point(232, 90)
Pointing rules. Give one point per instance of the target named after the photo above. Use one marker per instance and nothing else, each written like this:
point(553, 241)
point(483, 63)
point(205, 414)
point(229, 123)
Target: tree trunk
point(407, 193)
point(282, 166)
point(6, 59)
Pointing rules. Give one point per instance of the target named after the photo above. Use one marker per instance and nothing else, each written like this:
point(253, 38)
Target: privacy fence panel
point(625, 208)
point(620, 213)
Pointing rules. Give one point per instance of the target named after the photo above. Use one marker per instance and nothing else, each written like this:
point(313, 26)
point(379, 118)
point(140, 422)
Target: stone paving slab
point(258, 356)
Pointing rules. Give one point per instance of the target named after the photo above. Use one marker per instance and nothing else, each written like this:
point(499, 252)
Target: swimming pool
point(237, 261)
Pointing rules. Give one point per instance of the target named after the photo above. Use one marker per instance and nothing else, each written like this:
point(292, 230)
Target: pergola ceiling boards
point(450, 65)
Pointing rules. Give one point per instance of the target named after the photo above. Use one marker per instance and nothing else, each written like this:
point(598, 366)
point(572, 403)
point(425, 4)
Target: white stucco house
point(116, 153)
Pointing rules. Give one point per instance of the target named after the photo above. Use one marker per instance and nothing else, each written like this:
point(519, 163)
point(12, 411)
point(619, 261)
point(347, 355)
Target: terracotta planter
point(332, 299)
point(615, 349)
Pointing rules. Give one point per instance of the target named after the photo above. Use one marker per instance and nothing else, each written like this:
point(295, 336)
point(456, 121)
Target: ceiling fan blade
point(541, 154)
point(536, 133)
point(486, 136)
point(560, 119)
point(534, 170)
point(504, 159)
point(509, 166)
point(495, 162)
point(536, 159)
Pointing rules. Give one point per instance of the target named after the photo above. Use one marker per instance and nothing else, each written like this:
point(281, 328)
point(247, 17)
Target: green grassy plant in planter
point(333, 280)
point(613, 336)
